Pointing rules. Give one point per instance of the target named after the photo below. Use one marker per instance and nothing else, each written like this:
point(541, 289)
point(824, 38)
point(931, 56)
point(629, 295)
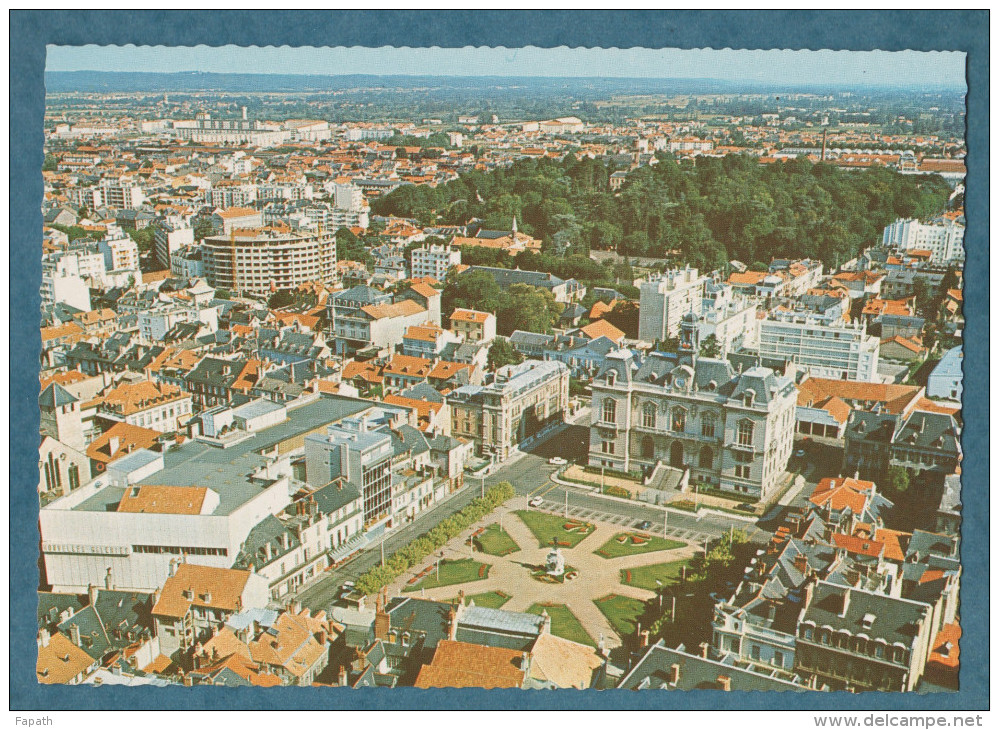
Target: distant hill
point(104, 81)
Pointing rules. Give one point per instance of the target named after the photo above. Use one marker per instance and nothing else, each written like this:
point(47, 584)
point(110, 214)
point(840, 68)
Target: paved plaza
point(511, 573)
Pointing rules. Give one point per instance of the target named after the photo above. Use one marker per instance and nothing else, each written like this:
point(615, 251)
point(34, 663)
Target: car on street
point(536, 502)
point(799, 454)
point(347, 587)
point(557, 461)
point(644, 525)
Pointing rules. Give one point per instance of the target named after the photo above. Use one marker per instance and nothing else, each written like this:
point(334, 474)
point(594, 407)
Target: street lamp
point(659, 590)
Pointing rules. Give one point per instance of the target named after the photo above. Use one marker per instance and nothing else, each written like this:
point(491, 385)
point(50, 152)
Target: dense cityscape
point(500, 383)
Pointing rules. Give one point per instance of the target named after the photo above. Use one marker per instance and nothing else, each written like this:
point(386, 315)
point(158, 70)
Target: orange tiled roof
point(61, 661)
point(469, 315)
point(602, 328)
point(425, 333)
point(840, 493)
point(414, 367)
point(859, 545)
point(163, 500)
point(205, 586)
point(458, 664)
point(896, 398)
point(130, 438)
point(129, 398)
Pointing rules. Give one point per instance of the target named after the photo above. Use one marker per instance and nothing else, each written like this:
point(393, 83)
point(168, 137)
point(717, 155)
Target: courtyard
point(615, 572)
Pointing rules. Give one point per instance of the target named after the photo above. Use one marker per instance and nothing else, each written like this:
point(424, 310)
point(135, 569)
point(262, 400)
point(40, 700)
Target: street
point(530, 475)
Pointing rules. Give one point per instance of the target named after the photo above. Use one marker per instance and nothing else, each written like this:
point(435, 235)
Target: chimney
point(342, 677)
point(452, 624)
point(674, 674)
point(644, 640)
point(724, 683)
point(43, 638)
point(846, 603)
point(704, 646)
point(113, 444)
point(92, 594)
point(108, 580)
point(74, 633)
point(801, 564)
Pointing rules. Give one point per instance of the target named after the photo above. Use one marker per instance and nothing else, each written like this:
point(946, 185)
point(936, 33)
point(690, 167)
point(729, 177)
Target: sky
point(878, 68)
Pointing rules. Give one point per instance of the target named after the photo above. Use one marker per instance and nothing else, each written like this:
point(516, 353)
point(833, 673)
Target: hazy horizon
point(786, 67)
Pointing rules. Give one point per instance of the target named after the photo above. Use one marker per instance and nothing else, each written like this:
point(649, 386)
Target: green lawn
point(452, 572)
point(615, 548)
point(495, 541)
point(492, 599)
point(646, 575)
point(551, 528)
point(564, 622)
point(622, 612)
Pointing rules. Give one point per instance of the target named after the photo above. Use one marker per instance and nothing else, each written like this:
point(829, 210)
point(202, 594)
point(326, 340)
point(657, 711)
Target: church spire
point(514, 228)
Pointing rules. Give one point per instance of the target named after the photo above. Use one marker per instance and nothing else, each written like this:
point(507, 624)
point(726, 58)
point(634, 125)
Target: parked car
point(644, 525)
point(557, 461)
point(347, 587)
point(536, 502)
point(746, 506)
point(799, 454)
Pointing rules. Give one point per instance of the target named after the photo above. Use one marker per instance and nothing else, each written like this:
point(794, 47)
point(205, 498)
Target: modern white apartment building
point(434, 261)
point(260, 261)
point(121, 194)
point(168, 236)
point(942, 237)
point(520, 401)
point(840, 351)
point(231, 194)
point(60, 286)
point(729, 316)
point(665, 298)
point(120, 253)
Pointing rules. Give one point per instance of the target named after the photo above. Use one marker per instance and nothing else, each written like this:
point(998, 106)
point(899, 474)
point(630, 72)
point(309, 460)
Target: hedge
point(434, 539)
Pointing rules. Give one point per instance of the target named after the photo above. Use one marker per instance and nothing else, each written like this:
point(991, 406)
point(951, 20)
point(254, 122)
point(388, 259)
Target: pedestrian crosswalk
point(627, 522)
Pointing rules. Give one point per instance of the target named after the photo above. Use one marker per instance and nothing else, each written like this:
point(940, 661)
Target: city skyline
point(779, 66)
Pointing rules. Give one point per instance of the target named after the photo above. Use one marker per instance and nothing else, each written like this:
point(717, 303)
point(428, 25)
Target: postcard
point(490, 368)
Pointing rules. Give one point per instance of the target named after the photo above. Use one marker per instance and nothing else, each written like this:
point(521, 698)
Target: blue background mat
point(30, 31)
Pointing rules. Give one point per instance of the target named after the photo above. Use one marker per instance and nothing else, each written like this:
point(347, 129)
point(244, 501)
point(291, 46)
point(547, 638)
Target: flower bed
point(634, 543)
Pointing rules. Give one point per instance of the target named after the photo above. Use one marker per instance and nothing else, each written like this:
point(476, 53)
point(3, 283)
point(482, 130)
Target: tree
point(351, 248)
point(475, 290)
point(710, 347)
point(281, 298)
point(898, 479)
point(501, 353)
point(527, 308)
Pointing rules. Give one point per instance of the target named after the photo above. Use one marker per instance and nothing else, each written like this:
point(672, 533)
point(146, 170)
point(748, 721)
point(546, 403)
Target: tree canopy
point(703, 212)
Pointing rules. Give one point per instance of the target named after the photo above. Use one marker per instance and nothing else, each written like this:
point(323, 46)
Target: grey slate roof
point(55, 396)
point(896, 619)
point(653, 672)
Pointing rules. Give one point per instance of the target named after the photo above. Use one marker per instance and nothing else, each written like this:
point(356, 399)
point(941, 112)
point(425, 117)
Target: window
point(607, 447)
point(745, 433)
point(755, 652)
point(74, 476)
point(708, 425)
point(609, 414)
point(779, 658)
point(706, 458)
point(649, 415)
point(679, 420)
point(742, 471)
